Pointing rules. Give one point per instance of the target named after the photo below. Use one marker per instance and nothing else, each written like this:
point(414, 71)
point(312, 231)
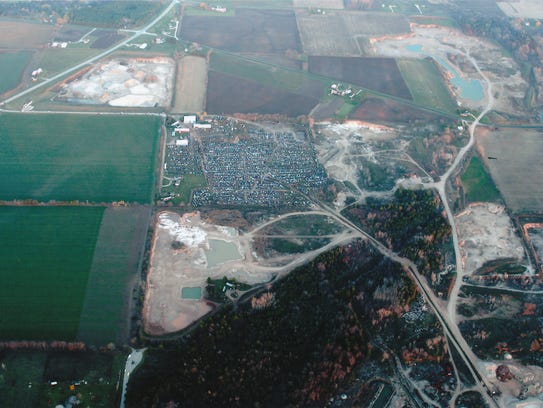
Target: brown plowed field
point(227, 94)
point(378, 74)
point(250, 30)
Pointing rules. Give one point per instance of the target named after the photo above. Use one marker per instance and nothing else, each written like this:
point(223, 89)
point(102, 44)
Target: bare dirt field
point(181, 257)
point(522, 8)
point(450, 47)
point(338, 33)
point(250, 30)
point(137, 82)
point(228, 94)
point(486, 233)
point(386, 111)
point(190, 85)
point(21, 35)
point(323, 4)
point(518, 166)
point(378, 74)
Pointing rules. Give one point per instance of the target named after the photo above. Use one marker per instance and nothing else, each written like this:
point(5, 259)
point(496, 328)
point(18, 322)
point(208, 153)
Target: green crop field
point(477, 183)
point(12, 65)
point(77, 157)
point(46, 257)
point(425, 84)
point(104, 317)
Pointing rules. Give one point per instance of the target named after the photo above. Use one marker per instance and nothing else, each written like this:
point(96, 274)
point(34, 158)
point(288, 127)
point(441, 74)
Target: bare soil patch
point(250, 30)
point(106, 40)
point(190, 86)
point(486, 233)
point(521, 8)
point(179, 259)
point(227, 94)
point(518, 166)
point(379, 74)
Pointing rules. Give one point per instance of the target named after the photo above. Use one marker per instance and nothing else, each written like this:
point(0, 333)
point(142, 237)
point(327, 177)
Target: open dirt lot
point(518, 168)
point(137, 82)
point(522, 8)
point(190, 85)
point(228, 94)
point(341, 33)
point(19, 35)
point(250, 30)
point(486, 233)
point(165, 311)
point(441, 43)
point(379, 74)
point(323, 4)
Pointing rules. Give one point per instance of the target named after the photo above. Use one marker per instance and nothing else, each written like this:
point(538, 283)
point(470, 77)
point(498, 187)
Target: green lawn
point(116, 257)
point(12, 65)
point(77, 157)
point(477, 183)
point(189, 183)
point(426, 84)
point(46, 257)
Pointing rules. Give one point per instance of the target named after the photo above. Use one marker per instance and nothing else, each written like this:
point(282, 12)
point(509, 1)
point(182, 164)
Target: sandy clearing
point(486, 233)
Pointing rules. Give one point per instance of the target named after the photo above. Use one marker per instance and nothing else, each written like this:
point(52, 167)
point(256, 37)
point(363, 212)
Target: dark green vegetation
point(288, 246)
point(218, 289)
point(24, 382)
point(77, 157)
point(104, 317)
point(511, 323)
point(413, 225)
point(12, 65)
point(294, 345)
point(471, 399)
point(46, 257)
point(378, 74)
point(477, 183)
point(426, 84)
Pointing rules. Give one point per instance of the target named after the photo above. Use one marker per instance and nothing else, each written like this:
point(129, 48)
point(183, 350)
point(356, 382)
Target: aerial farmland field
point(378, 74)
point(105, 312)
point(77, 157)
point(46, 258)
point(339, 33)
point(228, 94)
point(426, 83)
point(12, 65)
point(22, 35)
point(517, 166)
point(190, 88)
point(250, 30)
point(387, 111)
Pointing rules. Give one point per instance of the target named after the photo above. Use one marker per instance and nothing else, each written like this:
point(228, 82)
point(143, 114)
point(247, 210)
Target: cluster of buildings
point(244, 165)
point(258, 168)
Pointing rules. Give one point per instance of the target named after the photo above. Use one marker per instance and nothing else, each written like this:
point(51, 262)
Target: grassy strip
point(426, 84)
point(478, 184)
